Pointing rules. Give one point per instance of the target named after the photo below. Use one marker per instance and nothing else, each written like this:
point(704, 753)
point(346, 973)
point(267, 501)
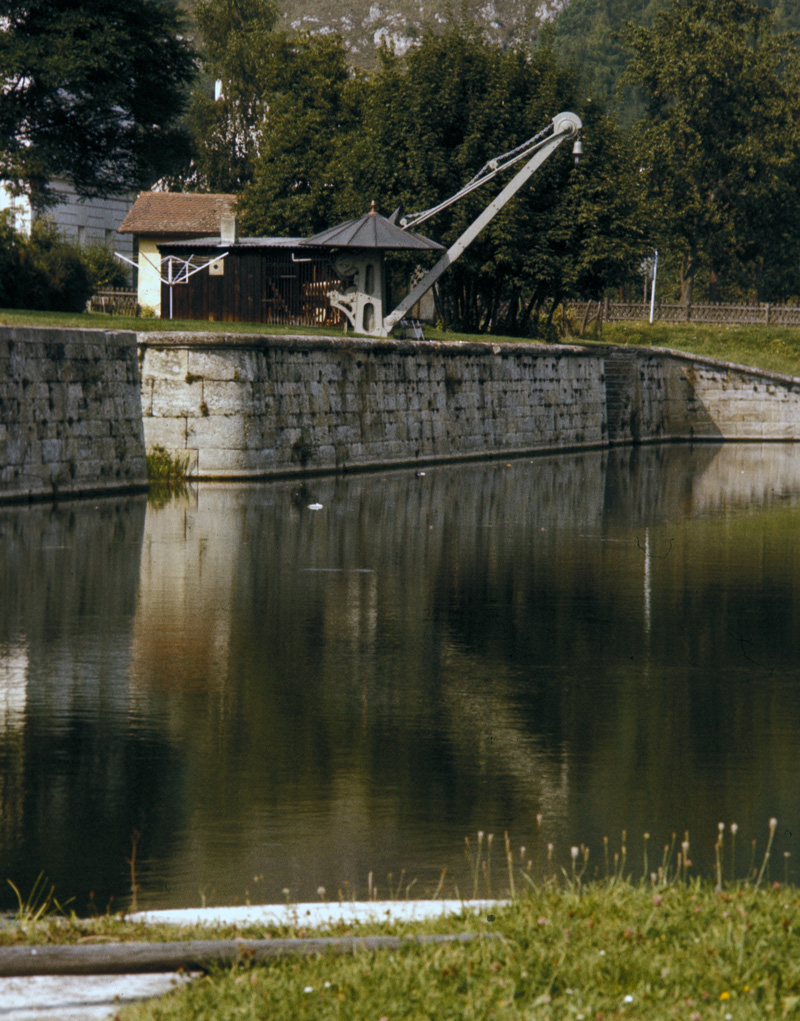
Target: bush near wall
point(47, 273)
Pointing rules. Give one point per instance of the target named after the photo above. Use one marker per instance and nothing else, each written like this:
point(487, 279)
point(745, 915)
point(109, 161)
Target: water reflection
point(282, 697)
point(68, 748)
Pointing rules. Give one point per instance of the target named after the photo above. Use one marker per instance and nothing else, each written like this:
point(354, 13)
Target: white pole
point(653, 291)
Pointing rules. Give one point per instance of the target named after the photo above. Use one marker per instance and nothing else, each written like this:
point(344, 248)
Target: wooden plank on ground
point(194, 955)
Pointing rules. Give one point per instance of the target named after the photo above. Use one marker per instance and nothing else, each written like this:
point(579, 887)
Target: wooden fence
point(741, 315)
point(116, 301)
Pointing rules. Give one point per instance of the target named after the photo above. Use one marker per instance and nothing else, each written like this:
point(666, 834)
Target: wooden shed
point(158, 217)
point(258, 280)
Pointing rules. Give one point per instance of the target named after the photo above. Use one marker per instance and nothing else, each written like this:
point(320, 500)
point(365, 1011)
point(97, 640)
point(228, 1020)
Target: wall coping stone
point(297, 342)
point(300, 341)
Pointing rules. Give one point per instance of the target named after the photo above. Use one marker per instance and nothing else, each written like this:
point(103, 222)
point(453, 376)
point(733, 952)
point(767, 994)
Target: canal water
point(278, 698)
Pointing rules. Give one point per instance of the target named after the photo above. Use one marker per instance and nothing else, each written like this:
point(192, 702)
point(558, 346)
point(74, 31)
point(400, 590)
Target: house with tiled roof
point(161, 217)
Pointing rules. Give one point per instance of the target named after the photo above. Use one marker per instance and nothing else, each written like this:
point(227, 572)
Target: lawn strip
point(607, 950)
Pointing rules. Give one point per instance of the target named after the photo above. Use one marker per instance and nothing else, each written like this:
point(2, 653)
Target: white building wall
point(149, 274)
point(85, 221)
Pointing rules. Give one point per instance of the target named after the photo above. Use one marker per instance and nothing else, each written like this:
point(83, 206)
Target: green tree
point(238, 67)
point(609, 236)
point(311, 116)
point(10, 241)
point(103, 268)
point(586, 34)
point(92, 92)
point(327, 140)
point(432, 118)
point(719, 141)
point(435, 116)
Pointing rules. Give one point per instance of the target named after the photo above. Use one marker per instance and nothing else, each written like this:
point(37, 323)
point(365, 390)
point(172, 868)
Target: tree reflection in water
point(605, 639)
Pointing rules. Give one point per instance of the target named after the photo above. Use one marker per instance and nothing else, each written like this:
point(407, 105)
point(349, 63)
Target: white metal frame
point(186, 269)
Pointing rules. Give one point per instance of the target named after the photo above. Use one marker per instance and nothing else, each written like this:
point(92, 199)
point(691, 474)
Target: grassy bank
point(606, 951)
point(660, 946)
point(104, 321)
point(774, 348)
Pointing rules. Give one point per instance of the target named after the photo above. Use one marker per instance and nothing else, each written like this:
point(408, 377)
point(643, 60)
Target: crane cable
point(489, 170)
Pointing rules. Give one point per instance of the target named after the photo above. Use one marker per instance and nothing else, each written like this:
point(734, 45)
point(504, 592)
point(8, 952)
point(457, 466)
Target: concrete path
point(98, 998)
point(77, 997)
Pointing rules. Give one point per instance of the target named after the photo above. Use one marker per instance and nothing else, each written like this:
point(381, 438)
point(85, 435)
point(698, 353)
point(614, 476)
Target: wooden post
point(585, 319)
point(193, 955)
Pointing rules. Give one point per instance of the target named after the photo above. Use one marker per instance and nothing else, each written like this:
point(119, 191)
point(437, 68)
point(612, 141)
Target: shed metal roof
point(215, 242)
point(372, 231)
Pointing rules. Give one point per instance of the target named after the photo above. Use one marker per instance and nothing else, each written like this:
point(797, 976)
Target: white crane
point(538, 149)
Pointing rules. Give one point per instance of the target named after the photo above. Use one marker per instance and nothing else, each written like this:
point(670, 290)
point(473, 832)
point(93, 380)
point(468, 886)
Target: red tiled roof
point(177, 213)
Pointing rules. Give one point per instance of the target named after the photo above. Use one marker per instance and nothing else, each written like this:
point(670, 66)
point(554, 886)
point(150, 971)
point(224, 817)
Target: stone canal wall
point(76, 411)
point(263, 405)
point(655, 394)
point(240, 406)
point(70, 413)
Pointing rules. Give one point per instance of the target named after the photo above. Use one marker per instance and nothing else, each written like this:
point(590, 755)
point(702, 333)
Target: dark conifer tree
point(92, 91)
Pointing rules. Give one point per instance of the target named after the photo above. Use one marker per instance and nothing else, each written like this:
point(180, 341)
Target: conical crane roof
point(372, 231)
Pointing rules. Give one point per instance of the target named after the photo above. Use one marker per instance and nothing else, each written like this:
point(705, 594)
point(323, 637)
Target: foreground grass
point(605, 951)
point(610, 949)
point(613, 947)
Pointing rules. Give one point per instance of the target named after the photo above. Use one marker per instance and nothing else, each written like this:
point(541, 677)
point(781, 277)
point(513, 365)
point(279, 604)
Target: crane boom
point(565, 125)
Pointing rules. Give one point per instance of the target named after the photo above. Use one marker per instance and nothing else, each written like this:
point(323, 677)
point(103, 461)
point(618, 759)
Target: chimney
point(228, 230)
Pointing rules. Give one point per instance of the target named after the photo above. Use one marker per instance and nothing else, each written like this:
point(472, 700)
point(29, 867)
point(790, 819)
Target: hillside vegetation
point(366, 24)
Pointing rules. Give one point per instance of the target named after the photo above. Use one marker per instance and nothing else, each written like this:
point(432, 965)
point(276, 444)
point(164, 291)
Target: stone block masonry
point(242, 406)
point(77, 407)
point(256, 406)
point(655, 394)
point(70, 413)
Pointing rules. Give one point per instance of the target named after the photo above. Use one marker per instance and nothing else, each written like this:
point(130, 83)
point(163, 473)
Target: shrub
point(104, 269)
point(43, 272)
point(55, 277)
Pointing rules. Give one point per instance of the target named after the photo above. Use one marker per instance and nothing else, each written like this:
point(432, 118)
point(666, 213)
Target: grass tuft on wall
point(164, 468)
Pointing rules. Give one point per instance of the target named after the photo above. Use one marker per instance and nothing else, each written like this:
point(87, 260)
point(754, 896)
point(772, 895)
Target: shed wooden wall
point(258, 286)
